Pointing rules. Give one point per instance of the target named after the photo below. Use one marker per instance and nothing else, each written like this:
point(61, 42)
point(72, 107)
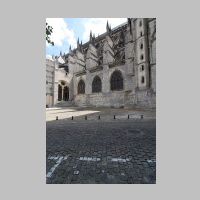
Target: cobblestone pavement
point(112, 151)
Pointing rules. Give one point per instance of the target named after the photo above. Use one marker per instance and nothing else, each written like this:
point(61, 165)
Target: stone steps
point(65, 104)
point(83, 105)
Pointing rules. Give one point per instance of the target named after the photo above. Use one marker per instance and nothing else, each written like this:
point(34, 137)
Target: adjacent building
point(50, 72)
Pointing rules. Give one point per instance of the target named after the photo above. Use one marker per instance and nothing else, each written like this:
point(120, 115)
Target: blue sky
point(66, 31)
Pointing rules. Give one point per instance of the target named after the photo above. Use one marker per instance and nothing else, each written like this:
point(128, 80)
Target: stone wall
point(152, 52)
point(131, 49)
point(145, 99)
point(80, 100)
point(50, 67)
point(106, 97)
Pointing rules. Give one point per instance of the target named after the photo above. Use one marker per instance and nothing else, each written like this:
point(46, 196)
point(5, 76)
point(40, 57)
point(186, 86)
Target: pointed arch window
point(81, 87)
point(142, 79)
point(96, 84)
point(116, 81)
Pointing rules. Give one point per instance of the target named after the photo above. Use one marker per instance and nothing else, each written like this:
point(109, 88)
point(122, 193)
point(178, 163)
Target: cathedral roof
point(100, 38)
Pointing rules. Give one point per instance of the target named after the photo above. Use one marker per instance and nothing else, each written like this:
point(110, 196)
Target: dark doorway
point(66, 94)
point(81, 87)
point(59, 92)
point(116, 81)
point(96, 84)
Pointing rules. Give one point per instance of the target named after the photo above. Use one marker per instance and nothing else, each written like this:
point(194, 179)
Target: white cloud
point(49, 57)
point(61, 32)
point(98, 26)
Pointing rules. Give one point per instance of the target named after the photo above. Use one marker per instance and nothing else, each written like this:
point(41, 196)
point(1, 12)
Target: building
point(50, 71)
point(115, 69)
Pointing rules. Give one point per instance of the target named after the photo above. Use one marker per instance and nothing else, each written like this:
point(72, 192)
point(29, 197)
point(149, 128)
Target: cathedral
point(114, 69)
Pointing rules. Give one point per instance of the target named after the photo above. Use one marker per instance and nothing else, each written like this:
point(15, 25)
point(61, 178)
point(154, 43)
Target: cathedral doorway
point(66, 94)
point(59, 92)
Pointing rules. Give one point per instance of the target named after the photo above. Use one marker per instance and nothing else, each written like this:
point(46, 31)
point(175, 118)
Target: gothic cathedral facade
point(115, 69)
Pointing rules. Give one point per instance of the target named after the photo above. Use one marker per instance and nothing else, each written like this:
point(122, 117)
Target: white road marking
point(59, 160)
point(76, 172)
point(53, 157)
point(65, 158)
point(120, 160)
point(89, 159)
point(150, 161)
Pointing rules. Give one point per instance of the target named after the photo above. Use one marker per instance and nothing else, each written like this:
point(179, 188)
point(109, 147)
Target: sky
point(66, 31)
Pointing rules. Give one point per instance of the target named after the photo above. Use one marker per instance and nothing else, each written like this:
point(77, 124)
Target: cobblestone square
point(105, 151)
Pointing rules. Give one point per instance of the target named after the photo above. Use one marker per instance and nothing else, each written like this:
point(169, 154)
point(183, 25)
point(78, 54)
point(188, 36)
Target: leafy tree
point(49, 30)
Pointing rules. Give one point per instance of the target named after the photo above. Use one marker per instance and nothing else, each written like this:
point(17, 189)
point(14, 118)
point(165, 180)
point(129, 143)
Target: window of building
point(141, 34)
point(81, 87)
point(62, 82)
point(142, 79)
point(142, 57)
point(140, 24)
point(96, 84)
point(141, 46)
point(123, 57)
point(116, 81)
point(142, 68)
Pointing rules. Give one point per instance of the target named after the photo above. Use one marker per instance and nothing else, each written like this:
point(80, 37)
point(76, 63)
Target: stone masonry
point(123, 59)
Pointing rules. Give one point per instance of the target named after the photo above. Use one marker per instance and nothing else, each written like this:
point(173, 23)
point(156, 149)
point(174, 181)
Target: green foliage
point(49, 30)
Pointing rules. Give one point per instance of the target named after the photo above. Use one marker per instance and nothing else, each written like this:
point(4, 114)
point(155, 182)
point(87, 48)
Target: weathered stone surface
point(129, 48)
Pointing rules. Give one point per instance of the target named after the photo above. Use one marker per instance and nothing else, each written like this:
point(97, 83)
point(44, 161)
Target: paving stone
point(104, 140)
